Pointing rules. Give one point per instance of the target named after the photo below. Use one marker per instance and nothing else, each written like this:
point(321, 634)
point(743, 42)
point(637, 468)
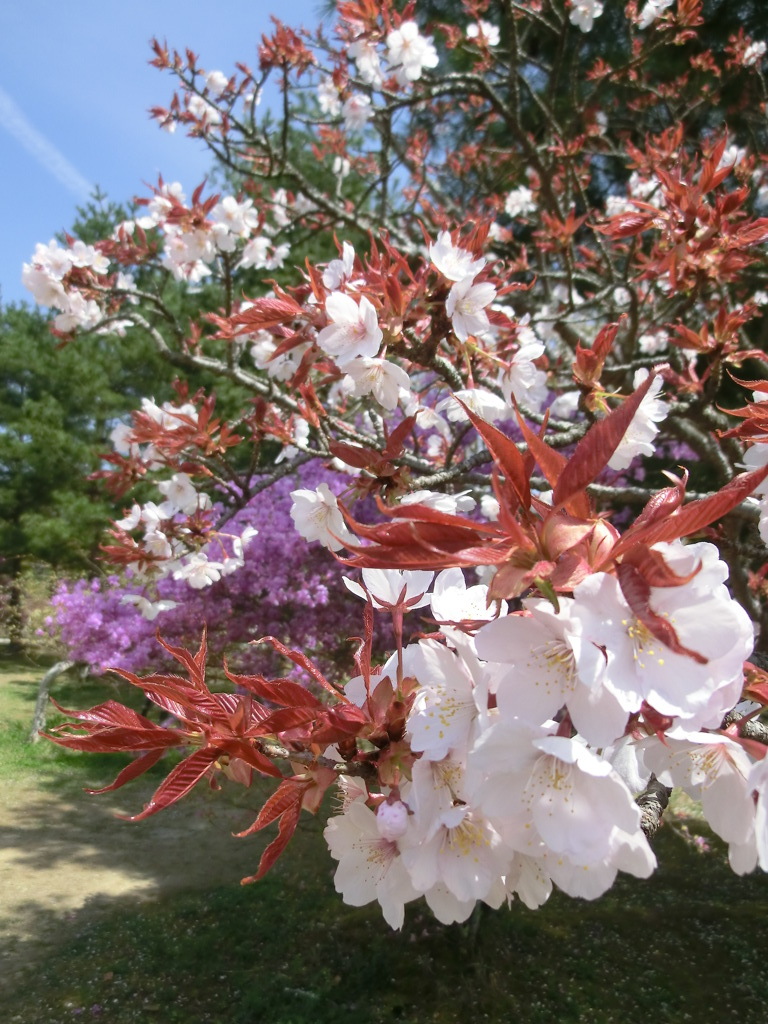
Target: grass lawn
point(685, 946)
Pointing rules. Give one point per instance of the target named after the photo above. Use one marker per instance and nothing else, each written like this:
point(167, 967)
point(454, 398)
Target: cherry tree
point(535, 339)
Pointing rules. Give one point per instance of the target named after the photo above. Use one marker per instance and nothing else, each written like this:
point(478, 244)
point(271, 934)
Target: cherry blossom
point(386, 381)
point(716, 770)
point(199, 571)
point(363, 52)
point(317, 516)
point(700, 686)
point(541, 649)
point(356, 111)
point(651, 11)
point(519, 202)
point(638, 440)
point(410, 52)
point(584, 12)
point(353, 329)
point(339, 271)
point(389, 588)
point(447, 703)
point(466, 304)
point(753, 54)
point(484, 32)
point(370, 867)
point(452, 261)
point(453, 601)
point(523, 380)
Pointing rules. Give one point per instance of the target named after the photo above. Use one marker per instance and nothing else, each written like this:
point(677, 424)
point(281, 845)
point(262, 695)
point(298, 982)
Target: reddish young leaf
point(303, 662)
point(244, 750)
point(353, 455)
point(552, 463)
point(265, 312)
point(754, 748)
point(663, 503)
point(110, 713)
point(181, 780)
point(396, 441)
point(625, 225)
point(284, 692)
point(176, 695)
point(285, 719)
point(284, 797)
point(194, 663)
point(654, 570)
point(755, 683)
point(345, 720)
point(506, 456)
point(287, 827)
point(132, 771)
point(691, 518)
point(595, 449)
point(114, 739)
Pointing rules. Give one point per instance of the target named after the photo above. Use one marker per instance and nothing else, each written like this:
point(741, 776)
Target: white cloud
point(15, 122)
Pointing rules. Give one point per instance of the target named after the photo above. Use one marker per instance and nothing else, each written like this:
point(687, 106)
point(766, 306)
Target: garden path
point(66, 859)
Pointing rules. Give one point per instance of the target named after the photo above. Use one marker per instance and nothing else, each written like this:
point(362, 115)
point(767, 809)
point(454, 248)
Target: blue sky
point(75, 87)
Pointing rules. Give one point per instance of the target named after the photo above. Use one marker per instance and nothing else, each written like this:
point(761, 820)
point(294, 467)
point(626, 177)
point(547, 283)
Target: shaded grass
point(686, 945)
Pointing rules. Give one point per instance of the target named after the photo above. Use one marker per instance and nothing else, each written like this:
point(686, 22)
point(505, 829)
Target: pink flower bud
point(392, 820)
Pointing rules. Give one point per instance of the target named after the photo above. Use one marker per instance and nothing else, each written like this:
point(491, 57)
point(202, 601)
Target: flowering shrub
point(283, 588)
point(539, 301)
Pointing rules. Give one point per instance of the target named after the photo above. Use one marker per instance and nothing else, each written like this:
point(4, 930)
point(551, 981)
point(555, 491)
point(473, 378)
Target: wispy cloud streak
point(17, 124)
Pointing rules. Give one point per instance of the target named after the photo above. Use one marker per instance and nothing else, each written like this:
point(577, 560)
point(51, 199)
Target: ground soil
point(64, 861)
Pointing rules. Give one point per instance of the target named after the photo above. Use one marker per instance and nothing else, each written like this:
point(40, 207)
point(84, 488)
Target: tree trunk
point(41, 705)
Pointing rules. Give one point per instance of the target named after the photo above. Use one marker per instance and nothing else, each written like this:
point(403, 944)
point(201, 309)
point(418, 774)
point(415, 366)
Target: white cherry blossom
point(584, 12)
point(386, 381)
point(716, 770)
point(523, 380)
point(363, 52)
point(356, 111)
point(639, 435)
point(640, 667)
point(409, 52)
point(452, 261)
point(460, 851)
point(181, 495)
point(328, 97)
point(340, 270)
point(353, 329)
point(199, 571)
point(753, 54)
point(447, 703)
point(450, 503)
point(216, 82)
point(317, 516)
point(149, 609)
point(651, 11)
point(453, 601)
point(389, 587)
point(370, 866)
point(540, 649)
point(480, 401)
point(519, 202)
point(485, 32)
point(466, 304)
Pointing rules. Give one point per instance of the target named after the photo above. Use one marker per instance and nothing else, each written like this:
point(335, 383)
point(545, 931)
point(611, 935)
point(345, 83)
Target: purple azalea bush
point(287, 588)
